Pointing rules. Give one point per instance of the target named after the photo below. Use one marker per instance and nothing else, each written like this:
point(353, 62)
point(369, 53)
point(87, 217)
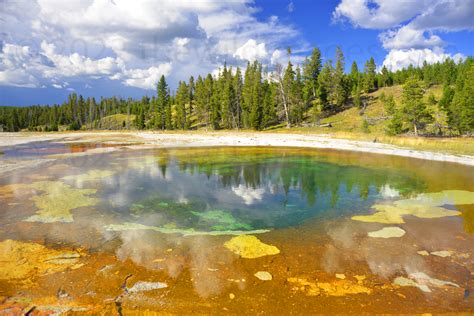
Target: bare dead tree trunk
point(279, 71)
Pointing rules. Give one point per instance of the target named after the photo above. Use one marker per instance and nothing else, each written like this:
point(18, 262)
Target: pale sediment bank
point(210, 139)
point(11, 139)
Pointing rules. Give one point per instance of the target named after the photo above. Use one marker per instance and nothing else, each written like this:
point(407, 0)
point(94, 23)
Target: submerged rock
point(360, 278)
point(425, 205)
point(250, 247)
point(61, 294)
point(442, 253)
point(25, 261)
point(380, 217)
point(263, 275)
point(336, 288)
point(422, 277)
point(387, 232)
point(439, 253)
point(393, 214)
point(236, 280)
point(421, 280)
point(402, 281)
point(222, 220)
point(420, 211)
point(142, 286)
point(182, 231)
point(447, 197)
point(91, 175)
point(57, 201)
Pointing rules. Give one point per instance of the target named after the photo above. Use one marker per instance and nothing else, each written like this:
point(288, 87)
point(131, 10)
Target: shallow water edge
point(200, 139)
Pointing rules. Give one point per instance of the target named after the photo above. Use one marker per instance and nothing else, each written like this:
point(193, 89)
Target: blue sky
point(50, 48)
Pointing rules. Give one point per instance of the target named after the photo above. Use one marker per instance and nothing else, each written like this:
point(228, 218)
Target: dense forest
point(259, 99)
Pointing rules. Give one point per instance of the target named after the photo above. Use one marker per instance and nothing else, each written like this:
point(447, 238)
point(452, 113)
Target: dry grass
point(116, 121)
point(452, 145)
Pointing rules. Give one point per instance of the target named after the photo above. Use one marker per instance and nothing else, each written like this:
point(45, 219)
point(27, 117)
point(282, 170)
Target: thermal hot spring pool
point(233, 229)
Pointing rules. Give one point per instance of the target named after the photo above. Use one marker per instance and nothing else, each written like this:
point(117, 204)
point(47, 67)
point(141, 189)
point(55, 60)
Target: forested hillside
point(288, 95)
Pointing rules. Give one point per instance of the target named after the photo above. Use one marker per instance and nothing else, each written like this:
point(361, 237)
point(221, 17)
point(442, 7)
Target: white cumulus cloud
point(377, 14)
point(398, 58)
point(407, 37)
point(276, 56)
point(77, 65)
point(147, 78)
point(251, 51)
point(132, 41)
point(13, 66)
point(410, 30)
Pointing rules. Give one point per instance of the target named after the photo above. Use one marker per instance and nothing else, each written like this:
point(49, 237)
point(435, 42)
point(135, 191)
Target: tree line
point(256, 98)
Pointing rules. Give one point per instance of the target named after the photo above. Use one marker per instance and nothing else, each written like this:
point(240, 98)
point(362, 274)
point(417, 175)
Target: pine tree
point(226, 97)
point(356, 97)
point(72, 108)
point(325, 85)
point(140, 120)
point(446, 98)
point(432, 99)
point(395, 124)
point(81, 105)
point(247, 97)
point(354, 76)
point(269, 113)
point(385, 77)
point(449, 71)
point(255, 116)
point(389, 105)
point(369, 75)
point(201, 100)
point(311, 70)
point(162, 104)
point(339, 84)
point(298, 105)
point(182, 99)
point(215, 111)
point(414, 111)
point(461, 109)
point(168, 113)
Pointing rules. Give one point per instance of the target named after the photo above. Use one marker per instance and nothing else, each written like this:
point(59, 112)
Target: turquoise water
point(221, 191)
